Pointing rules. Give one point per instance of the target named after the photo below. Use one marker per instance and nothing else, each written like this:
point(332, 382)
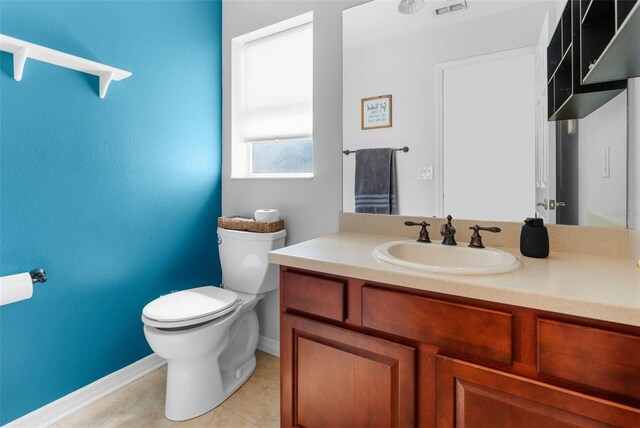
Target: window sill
point(307, 176)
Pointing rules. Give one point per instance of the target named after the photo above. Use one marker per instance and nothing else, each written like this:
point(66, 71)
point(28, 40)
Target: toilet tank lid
point(252, 236)
point(189, 304)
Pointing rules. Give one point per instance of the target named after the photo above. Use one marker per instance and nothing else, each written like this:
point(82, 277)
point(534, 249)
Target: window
point(272, 101)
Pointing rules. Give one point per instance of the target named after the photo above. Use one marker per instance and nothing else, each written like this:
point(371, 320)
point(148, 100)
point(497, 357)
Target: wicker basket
point(249, 226)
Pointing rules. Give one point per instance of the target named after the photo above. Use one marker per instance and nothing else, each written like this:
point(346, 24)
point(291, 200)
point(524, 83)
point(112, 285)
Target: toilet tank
point(243, 256)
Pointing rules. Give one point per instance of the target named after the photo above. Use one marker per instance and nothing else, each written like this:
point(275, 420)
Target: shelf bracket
point(105, 80)
point(19, 59)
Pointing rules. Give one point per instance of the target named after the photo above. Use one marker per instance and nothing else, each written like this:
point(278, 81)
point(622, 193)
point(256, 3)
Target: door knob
point(553, 204)
point(544, 204)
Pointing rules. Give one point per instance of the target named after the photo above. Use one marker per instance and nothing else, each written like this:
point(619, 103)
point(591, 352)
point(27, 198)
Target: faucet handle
point(424, 234)
point(476, 239)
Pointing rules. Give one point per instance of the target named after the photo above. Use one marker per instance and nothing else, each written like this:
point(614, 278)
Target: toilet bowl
point(208, 335)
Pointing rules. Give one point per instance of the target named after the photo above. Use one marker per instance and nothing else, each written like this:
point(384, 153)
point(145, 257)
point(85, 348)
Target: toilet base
point(195, 388)
point(197, 385)
point(209, 362)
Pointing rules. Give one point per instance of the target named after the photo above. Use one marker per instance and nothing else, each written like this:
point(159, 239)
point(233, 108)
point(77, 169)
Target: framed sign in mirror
point(375, 112)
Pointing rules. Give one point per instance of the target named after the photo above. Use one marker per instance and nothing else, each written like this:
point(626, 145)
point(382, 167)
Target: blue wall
point(117, 198)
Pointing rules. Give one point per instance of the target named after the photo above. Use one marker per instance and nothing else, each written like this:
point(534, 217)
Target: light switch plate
point(425, 172)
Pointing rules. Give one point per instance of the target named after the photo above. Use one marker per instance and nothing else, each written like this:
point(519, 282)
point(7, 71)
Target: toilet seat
point(190, 307)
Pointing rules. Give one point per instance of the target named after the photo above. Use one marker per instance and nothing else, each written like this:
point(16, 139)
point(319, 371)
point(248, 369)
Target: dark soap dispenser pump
point(534, 238)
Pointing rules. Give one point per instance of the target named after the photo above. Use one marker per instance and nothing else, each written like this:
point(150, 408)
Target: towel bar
point(404, 149)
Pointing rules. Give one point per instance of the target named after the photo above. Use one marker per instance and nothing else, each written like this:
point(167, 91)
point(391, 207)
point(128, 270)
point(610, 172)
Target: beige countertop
point(598, 287)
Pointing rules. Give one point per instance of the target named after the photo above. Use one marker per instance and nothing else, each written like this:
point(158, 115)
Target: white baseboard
point(62, 407)
point(269, 346)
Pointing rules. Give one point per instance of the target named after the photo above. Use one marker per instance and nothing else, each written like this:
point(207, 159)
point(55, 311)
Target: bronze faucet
point(424, 234)
point(476, 239)
point(448, 231)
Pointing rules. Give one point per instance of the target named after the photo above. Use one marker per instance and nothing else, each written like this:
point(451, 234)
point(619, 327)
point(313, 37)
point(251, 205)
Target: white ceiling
point(380, 20)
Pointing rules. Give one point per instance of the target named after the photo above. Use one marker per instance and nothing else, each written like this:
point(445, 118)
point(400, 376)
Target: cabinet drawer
point(314, 295)
point(593, 357)
point(450, 326)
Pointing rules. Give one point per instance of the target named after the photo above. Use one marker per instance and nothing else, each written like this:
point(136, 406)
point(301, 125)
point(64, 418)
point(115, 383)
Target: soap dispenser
point(534, 238)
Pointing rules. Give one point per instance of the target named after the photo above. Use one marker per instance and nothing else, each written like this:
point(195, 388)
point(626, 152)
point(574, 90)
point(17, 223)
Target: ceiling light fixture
point(407, 7)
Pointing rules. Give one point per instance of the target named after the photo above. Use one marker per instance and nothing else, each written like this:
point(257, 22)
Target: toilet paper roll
point(14, 288)
point(267, 216)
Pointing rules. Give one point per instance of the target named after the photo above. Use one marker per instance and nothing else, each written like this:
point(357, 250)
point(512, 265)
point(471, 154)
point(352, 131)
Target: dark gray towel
point(375, 181)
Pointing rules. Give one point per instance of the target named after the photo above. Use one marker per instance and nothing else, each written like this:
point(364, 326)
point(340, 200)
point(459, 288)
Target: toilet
point(208, 335)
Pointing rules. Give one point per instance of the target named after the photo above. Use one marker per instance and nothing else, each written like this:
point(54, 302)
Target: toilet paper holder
point(38, 275)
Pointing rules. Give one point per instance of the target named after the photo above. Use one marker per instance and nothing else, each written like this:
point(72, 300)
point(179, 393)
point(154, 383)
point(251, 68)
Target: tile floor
point(141, 404)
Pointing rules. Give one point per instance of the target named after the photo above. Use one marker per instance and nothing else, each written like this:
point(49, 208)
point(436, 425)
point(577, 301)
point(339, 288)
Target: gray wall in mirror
point(492, 155)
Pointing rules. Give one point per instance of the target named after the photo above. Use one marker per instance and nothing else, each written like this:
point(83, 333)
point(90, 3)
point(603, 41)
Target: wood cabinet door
point(469, 395)
point(333, 377)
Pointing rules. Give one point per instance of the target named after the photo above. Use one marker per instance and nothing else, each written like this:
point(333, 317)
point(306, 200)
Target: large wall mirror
point(469, 100)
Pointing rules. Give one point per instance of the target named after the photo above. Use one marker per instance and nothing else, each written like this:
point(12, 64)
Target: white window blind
point(278, 86)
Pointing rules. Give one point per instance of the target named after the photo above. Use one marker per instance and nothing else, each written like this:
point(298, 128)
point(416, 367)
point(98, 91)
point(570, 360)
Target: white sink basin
point(438, 258)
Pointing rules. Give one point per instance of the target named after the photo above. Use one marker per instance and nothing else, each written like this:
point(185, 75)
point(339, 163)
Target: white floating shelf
point(22, 50)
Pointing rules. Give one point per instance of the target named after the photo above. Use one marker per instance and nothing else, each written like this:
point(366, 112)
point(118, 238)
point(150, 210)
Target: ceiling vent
point(440, 7)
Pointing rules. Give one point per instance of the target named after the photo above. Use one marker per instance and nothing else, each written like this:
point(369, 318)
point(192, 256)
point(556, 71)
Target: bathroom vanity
point(555, 343)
